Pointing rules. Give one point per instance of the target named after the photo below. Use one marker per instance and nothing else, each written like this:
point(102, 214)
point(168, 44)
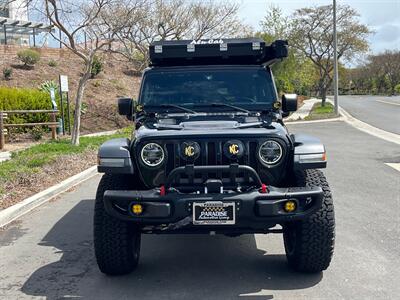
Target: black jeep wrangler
point(210, 154)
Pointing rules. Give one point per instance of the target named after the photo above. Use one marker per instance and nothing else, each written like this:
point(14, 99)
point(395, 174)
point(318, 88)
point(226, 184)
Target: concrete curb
point(11, 213)
point(372, 130)
point(314, 121)
point(360, 125)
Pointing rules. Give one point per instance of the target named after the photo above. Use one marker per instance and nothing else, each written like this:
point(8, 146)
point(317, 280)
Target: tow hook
point(264, 188)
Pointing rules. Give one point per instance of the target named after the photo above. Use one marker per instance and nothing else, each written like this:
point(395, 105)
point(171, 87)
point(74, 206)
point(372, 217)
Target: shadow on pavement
point(171, 267)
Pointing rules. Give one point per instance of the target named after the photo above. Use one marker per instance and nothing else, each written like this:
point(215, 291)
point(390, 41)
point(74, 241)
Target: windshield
point(244, 87)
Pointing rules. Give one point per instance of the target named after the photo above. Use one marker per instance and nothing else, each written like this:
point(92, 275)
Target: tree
point(295, 73)
point(216, 19)
point(311, 32)
point(378, 74)
point(387, 66)
point(176, 19)
point(74, 19)
point(274, 25)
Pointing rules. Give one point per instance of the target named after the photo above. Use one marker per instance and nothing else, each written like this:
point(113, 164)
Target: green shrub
point(28, 56)
point(52, 63)
point(7, 73)
point(397, 89)
point(97, 66)
point(24, 99)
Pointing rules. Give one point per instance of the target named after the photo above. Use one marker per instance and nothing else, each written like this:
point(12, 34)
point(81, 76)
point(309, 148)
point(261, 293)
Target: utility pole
point(335, 63)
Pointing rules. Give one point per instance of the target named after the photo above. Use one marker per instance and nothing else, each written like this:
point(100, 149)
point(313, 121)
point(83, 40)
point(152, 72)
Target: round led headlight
point(270, 152)
point(152, 154)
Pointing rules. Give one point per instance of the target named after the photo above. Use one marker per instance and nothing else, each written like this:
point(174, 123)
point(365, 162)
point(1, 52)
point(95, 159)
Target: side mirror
point(125, 107)
point(289, 103)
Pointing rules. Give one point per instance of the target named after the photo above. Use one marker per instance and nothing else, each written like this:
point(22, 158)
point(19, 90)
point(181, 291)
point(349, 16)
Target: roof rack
point(217, 51)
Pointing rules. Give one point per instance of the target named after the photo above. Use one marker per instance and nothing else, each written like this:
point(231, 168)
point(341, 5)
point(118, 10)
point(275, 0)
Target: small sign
point(53, 98)
point(64, 83)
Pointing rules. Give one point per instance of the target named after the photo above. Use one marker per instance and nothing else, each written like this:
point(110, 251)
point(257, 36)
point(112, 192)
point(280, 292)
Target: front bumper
point(254, 210)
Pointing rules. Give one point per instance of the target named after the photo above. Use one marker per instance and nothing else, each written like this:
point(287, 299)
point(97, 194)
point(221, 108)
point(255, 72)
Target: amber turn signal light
point(290, 206)
point(137, 209)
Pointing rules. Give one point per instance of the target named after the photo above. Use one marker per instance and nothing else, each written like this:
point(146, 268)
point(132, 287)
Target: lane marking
point(388, 102)
point(395, 166)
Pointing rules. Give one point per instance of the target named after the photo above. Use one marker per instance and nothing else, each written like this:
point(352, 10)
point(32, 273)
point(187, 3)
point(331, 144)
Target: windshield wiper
point(181, 108)
point(237, 108)
point(249, 125)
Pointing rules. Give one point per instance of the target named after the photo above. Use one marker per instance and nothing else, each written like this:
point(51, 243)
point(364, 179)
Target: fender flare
point(114, 157)
point(309, 152)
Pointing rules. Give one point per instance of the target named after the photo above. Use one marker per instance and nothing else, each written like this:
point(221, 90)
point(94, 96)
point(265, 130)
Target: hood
point(207, 128)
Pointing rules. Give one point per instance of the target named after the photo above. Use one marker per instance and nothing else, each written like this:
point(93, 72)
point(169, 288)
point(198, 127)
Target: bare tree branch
point(175, 19)
point(78, 18)
point(311, 34)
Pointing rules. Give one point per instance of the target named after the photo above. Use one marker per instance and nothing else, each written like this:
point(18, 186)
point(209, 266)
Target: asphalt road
point(49, 253)
point(379, 111)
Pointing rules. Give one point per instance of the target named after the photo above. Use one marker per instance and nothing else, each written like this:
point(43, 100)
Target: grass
point(30, 160)
point(321, 112)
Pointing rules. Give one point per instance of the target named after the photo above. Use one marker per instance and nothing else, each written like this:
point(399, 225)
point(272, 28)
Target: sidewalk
point(303, 111)
point(5, 156)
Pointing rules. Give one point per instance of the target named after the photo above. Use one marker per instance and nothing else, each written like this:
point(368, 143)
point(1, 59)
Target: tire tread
point(316, 234)
point(114, 240)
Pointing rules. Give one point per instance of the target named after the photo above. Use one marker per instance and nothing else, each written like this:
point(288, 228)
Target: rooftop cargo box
point(216, 51)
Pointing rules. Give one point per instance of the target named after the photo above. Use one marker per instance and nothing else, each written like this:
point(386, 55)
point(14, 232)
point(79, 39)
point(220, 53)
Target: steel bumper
point(253, 209)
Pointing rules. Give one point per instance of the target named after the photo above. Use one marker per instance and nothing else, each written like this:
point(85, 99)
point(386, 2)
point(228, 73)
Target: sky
point(382, 16)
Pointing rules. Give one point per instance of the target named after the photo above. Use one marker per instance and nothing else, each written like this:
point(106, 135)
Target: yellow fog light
point(137, 209)
point(290, 206)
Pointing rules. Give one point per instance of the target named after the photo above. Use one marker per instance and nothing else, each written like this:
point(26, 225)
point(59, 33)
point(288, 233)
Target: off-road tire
point(116, 243)
point(309, 243)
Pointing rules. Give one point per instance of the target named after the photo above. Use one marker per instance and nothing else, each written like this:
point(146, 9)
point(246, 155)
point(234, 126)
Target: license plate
point(214, 213)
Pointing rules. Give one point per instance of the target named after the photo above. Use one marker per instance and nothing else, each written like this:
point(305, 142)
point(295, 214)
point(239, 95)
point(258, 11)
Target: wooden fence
point(4, 116)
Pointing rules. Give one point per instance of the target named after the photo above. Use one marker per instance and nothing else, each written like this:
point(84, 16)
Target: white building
point(15, 26)
point(15, 9)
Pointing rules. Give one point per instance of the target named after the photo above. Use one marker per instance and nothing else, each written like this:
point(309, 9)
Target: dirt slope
point(99, 112)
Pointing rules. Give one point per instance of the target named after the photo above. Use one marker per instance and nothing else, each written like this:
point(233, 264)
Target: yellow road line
point(387, 102)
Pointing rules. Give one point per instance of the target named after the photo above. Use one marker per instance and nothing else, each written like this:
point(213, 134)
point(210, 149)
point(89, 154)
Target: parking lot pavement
point(379, 111)
point(49, 252)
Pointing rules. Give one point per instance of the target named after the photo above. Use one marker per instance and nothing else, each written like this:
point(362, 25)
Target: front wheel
point(309, 243)
point(116, 243)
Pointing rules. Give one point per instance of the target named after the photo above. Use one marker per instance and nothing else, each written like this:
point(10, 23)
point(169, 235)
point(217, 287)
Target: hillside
point(99, 111)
